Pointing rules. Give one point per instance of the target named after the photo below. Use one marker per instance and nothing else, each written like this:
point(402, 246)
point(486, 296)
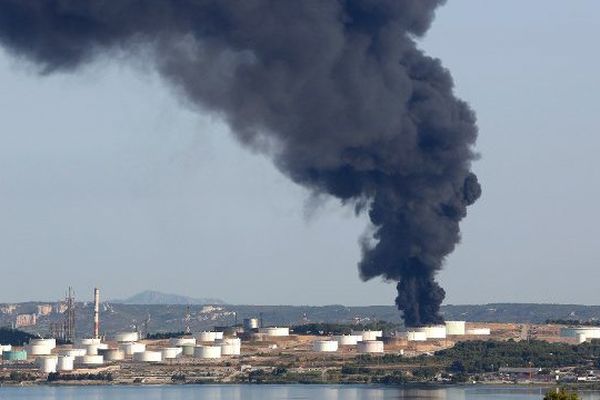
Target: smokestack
point(336, 92)
point(96, 313)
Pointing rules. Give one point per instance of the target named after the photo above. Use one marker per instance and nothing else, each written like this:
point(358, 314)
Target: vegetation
point(101, 376)
point(561, 394)
point(164, 335)
point(489, 356)
point(14, 337)
point(327, 329)
point(19, 376)
point(592, 322)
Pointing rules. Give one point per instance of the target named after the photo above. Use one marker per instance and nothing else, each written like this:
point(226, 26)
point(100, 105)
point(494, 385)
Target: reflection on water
point(273, 392)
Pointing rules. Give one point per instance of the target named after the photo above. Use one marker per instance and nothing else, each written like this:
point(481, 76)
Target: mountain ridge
point(149, 297)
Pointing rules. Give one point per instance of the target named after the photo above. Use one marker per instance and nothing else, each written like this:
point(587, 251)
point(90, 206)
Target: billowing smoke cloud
point(335, 91)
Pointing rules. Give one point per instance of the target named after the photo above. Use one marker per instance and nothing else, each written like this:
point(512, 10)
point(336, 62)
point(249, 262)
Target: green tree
point(561, 394)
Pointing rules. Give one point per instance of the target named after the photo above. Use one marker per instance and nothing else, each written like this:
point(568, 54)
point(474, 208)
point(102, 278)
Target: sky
point(109, 179)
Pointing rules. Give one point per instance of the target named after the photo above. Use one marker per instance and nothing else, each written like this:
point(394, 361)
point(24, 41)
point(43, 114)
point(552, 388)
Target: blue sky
point(108, 178)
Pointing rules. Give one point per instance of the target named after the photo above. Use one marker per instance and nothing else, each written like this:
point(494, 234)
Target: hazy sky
point(108, 179)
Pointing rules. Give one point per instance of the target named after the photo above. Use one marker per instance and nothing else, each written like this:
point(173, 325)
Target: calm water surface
point(271, 392)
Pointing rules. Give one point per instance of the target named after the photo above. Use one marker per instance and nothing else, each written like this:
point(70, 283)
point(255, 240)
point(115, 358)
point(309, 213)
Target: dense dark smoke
point(335, 91)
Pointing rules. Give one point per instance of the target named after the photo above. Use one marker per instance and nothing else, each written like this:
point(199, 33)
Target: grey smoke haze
point(336, 92)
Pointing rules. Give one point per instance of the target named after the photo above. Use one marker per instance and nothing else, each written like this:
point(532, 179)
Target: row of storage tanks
point(365, 342)
point(450, 328)
point(89, 352)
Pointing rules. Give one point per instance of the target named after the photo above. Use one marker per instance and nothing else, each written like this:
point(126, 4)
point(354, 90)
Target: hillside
point(154, 297)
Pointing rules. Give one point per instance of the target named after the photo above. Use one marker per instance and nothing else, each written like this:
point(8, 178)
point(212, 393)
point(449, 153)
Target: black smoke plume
point(335, 91)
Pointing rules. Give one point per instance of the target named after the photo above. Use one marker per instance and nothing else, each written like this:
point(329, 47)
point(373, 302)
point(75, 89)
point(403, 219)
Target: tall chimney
point(96, 313)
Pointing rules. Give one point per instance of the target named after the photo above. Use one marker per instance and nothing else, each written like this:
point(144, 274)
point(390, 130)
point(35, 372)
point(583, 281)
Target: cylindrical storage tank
point(348, 340)
point(14, 355)
point(589, 332)
point(5, 347)
point(455, 328)
point(82, 342)
point(368, 335)
point(51, 343)
point(112, 354)
point(478, 331)
point(275, 331)
point(433, 331)
point(73, 352)
point(234, 341)
point(207, 352)
point(92, 349)
point(179, 342)
point(47, 364)
point(127, 337)
point(581, 338)
point(65, 363)
point(132, 348)
point(416, 336)
point(209, 336)
point(206, 337)
point(38, 349)
point(89, 360)
point(169, 353)
point(229, 349)
point(370, 346)
point(325, 346)
point(250, 324)
point(188, 350)
point(148, 356)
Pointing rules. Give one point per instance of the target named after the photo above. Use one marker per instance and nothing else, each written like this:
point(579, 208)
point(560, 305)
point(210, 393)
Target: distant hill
point(153, 297)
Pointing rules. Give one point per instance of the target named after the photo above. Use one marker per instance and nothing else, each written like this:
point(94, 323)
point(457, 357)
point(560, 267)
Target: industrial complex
point(233, 353)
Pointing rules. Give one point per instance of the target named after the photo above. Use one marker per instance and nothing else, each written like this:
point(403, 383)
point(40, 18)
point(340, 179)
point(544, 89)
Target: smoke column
point(336, 92)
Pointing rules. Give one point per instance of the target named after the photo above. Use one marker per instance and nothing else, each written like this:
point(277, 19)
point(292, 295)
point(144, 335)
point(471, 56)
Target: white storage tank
point(433, 331)
point(82, 342)
point(92, 349)
point(416, 336)
point(38, 349)
point(370, 346)
point(5, 347)
point(456, 328)
point(132, 348)
point(275, 331)
point(478, 332)
point(250, 324)
point(188, 350)
point(89, 360)
point(230, 350)
point(51, 343)
point(207, 352)
point(348, 340)
point(581, 338)
point(113, 354)
point(169, 353)
point(368, 335)
point(73, 352)
point(127, 337)
point(47, 364)
point(325, 346)
point(178, 342)
point(148, 356)
point(589, 332)
point(234, 341)
point(65, 363)
point(208, 336)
